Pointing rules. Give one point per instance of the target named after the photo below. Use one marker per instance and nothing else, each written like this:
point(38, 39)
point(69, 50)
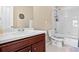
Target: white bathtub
point(69, 40)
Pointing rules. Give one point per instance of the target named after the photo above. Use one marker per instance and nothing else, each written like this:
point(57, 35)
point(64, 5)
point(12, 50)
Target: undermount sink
point(9, 36)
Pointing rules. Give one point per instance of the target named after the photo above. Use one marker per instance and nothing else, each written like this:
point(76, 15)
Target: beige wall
point(42, 17)
point(27, 11)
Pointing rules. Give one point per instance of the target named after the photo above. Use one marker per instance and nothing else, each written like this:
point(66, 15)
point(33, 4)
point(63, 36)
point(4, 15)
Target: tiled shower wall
point(68, 21)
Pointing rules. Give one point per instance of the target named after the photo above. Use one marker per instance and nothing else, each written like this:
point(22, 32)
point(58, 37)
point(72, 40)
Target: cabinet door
point(38, 47)
point(14, 46)
point(27, 49)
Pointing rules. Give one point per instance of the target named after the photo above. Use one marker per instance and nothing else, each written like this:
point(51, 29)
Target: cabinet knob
point(34, 48)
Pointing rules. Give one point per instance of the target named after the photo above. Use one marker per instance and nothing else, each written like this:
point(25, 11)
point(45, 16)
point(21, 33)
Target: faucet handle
point(21, 29)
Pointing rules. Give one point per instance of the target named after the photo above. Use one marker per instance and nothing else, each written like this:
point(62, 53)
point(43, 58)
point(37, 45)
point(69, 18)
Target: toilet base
point(57, 43)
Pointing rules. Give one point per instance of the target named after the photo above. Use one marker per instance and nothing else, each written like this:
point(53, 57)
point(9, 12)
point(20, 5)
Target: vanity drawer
point(14, 46)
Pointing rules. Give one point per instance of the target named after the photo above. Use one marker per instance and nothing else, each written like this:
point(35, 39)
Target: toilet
point(57, 42)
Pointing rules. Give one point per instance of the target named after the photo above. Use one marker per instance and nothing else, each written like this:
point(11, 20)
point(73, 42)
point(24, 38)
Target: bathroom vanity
point(30, 42)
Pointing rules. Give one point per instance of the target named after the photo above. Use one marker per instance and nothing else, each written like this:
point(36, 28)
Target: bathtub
point(68, 40)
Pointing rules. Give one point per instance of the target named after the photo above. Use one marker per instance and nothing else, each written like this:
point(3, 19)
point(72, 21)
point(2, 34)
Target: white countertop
point(11, 36)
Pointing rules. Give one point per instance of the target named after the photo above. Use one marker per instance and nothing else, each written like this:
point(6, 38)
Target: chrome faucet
point(21, 29)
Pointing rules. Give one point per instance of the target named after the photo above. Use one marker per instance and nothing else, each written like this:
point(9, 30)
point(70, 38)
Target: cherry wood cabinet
point(30, 44)
point(38, 47)
point(26, 49)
